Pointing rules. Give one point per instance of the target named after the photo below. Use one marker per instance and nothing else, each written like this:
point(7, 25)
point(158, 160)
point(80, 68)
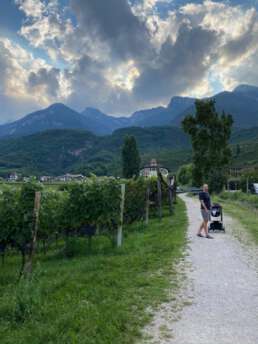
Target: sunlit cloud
point(32, 8)
point(123, 76)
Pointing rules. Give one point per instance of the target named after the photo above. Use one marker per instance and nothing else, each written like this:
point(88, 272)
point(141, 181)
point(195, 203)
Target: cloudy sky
point(122, 55)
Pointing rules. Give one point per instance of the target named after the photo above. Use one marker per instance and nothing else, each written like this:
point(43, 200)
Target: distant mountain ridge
point(56, 116)
point(102, 124)
point(247, 90)
point(60, 116)
point(241, 103)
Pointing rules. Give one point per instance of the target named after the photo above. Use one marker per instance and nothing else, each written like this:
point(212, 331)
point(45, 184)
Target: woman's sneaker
point(209, 236)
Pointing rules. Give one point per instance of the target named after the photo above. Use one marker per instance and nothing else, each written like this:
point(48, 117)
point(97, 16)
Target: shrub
point(239, 196)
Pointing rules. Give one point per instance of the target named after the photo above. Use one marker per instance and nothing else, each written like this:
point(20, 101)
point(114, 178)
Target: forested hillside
point(56, 152)
point(59, 151)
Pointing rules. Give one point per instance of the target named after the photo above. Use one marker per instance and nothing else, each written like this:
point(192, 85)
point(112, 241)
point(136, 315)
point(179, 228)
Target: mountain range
point(58, 139)
point(241, 103)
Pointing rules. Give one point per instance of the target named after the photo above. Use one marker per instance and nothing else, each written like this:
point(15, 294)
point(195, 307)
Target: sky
point(122, 55)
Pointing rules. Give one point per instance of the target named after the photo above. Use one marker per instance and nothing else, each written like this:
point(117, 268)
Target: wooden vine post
point(28, 266)
point(147, 209)
point(174, 188)
point(122, 207)
point(159, 198)
point(170, 194)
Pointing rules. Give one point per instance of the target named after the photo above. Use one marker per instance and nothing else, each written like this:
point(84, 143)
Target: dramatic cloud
point(48, 79)
point(27, 83)
point(122, 55)
point(13, 93)
point(46, 27)
point(32, 8)
point(180, 65)
point(113, 22)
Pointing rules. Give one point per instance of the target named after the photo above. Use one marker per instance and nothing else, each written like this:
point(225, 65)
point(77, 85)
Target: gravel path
point(219, 302)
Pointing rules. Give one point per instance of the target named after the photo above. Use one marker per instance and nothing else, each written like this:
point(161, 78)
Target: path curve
point(221, 294)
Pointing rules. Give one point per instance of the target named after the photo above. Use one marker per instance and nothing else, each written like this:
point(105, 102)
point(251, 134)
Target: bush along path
point(219, 299)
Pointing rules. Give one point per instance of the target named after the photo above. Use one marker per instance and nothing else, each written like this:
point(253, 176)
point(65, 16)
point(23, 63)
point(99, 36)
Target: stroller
point(216, 222)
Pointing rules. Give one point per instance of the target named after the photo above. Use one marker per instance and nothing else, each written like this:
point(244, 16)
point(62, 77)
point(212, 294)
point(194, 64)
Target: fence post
point(147, 210)
point(159, 198)
point(120, 228)
point(28, 266)
point(170, 195)
point(175, 187)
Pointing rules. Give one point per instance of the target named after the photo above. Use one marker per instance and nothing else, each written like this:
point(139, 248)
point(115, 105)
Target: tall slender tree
point(130, 158)
point(210, 134)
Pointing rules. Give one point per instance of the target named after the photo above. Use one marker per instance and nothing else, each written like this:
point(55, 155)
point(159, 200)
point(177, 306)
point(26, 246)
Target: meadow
point(243, 207)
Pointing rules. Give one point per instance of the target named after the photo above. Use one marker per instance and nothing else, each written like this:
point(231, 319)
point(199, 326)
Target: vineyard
point(82, 262)
point(33, 217)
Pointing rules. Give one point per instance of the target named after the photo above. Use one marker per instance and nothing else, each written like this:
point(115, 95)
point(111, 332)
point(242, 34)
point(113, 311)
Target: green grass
point(96, 297)
point(242, 207)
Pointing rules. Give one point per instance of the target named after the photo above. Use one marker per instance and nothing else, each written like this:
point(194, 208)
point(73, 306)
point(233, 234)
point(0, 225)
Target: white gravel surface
point(218, 302)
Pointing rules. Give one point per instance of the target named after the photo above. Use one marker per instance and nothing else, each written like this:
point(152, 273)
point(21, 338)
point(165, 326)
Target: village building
point(45, 179)
point(13, 177)
point(71, 177)
point(152, 170)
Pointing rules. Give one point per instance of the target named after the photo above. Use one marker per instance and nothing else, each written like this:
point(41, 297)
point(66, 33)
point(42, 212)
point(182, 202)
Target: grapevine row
point(79, 209)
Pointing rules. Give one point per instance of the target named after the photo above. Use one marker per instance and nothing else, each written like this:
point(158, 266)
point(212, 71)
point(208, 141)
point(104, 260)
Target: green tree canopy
point(210, 134)
point(184, 175)
point(130, 157)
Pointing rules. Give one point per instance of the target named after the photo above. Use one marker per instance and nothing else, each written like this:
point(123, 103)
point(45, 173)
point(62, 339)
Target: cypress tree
point(130, 158)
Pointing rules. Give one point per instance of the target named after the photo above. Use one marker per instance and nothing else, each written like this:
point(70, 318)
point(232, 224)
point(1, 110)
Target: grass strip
point(243, 209)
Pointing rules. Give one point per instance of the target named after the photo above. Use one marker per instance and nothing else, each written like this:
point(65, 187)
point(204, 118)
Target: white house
point(13, 177)
point(70, 177)
point(152, 170)
point(45, 179)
